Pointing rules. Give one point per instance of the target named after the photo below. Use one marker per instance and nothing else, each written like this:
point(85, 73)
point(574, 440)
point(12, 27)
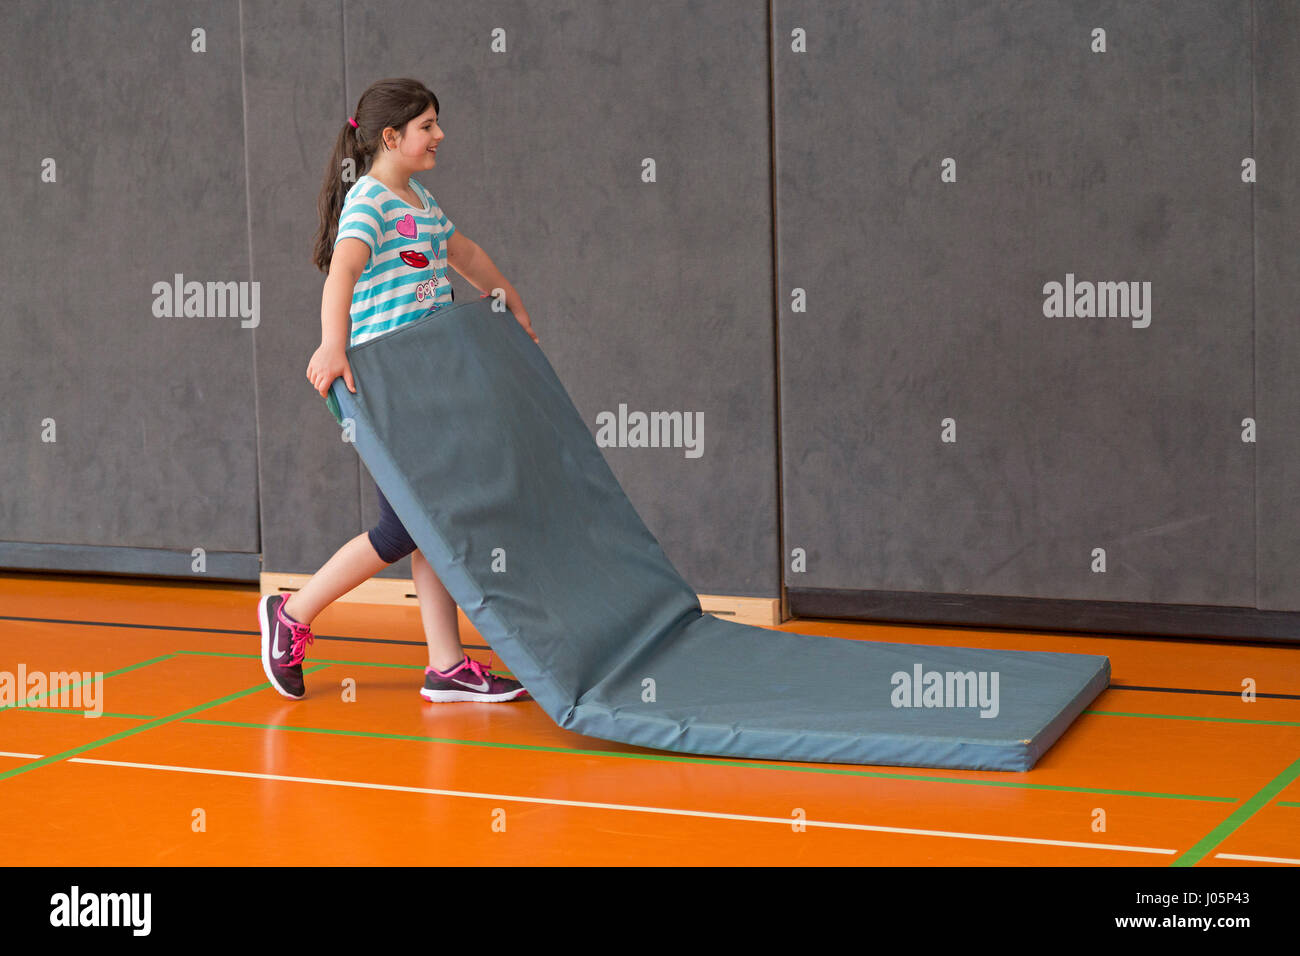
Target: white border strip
point(783, 821)
point(6, 753)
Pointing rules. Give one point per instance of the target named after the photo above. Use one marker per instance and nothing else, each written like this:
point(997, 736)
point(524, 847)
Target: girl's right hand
point(327, 364)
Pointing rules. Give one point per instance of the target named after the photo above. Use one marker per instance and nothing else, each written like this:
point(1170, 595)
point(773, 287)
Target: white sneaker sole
point(454, 696)
point(266, 649)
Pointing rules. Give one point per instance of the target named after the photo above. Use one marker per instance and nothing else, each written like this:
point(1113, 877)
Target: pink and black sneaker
point(468, 680)
point(284, 645)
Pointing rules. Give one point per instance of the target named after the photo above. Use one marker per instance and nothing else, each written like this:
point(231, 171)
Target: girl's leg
point(365, 556)
point(353, 563)
point(438, 611)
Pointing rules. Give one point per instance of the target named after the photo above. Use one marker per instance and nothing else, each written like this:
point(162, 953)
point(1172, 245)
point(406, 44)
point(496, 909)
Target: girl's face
point(416, 147)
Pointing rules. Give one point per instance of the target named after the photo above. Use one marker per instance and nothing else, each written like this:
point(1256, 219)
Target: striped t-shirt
point(406, 273)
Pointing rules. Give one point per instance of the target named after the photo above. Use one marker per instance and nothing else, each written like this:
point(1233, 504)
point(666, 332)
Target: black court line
point(485, 647)
point(1193, 690)
point(219, 630)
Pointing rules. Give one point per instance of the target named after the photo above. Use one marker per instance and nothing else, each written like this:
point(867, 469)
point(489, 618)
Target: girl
point(385, 253)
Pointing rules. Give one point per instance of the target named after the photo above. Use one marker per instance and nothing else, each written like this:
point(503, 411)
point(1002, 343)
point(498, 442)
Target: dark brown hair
point(385, 103)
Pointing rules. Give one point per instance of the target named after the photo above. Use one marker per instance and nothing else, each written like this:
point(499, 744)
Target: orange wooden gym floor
point(1185, 772)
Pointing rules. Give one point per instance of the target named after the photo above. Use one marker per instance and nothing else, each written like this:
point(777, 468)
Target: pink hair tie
point(353, 122)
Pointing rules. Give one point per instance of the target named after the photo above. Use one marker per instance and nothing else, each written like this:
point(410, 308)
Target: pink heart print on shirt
point(406, 226)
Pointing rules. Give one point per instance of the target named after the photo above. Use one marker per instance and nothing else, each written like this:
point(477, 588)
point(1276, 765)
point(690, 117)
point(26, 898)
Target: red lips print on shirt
point(407, 229)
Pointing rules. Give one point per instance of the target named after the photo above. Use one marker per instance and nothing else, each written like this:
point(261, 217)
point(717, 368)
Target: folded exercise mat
point(468, 432)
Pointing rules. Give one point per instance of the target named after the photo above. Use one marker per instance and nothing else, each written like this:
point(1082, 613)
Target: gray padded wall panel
point(312, 481)
point(925, 298)
point(541, 166)
point(155, 431)
point(1277, 292)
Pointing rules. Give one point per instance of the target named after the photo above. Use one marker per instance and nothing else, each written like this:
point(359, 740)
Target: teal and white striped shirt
point(406, 273)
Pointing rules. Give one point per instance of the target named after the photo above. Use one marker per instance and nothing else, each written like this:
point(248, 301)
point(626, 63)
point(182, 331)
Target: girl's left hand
point(522, 315)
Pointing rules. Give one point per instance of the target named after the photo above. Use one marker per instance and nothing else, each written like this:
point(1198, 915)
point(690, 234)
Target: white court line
point(1256, 859)
point(6, 753)
point(783, 821)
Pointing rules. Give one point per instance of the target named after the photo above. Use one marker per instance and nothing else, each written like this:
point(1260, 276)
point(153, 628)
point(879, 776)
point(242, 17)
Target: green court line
point(1239, 816)
point(670, 758)
point(1286, 803)
point(1216, 720)
point(158, 722)
point(324, 662)
point(120, 670)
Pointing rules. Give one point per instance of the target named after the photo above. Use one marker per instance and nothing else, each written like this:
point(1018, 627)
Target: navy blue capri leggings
point(389, 537)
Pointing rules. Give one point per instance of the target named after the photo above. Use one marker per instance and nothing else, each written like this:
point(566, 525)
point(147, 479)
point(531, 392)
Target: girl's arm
point(330, 360)
point(346, 265)
point(468, 258)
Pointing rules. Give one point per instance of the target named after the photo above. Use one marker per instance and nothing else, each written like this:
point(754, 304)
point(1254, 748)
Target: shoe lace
point(484, 672)
point(302, 636)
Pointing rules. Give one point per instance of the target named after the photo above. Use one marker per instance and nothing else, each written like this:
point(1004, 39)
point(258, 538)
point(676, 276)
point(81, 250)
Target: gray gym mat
point(473, 440)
